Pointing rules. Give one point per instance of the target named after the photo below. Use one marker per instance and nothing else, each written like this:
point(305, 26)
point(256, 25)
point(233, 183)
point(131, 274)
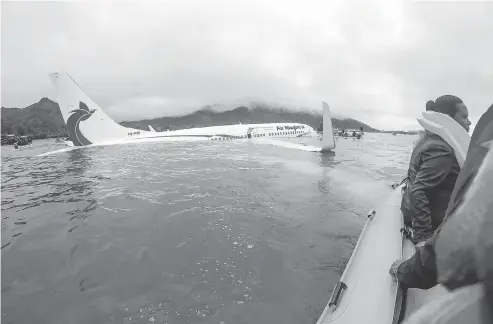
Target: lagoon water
point(197, 232)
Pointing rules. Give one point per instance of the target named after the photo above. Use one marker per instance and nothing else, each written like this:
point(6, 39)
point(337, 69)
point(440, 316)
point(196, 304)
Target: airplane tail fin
point(86, 122)
point(328, 141)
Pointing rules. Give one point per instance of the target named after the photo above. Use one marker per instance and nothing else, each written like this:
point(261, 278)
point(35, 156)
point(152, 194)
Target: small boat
point(24, 140)
point(9, 139)
point(64, 141)
point(349, 133)
point(68, 143)
point(366, 292)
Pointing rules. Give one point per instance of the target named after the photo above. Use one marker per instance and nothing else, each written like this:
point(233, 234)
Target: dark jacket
point(432, 173)
point(420, 270)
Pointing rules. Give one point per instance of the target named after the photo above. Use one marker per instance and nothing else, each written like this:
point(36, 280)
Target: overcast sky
point(376, 61)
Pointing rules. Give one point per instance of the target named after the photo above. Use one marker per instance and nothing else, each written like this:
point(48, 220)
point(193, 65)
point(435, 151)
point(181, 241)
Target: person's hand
point(394, 267)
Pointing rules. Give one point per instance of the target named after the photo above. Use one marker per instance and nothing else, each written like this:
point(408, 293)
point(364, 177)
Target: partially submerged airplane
point(88, 125)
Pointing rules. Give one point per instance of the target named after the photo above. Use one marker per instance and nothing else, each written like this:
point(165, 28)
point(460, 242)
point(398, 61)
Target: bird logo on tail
point(76, 116)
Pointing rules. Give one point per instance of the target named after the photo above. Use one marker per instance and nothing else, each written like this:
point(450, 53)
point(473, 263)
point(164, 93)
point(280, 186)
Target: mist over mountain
point(44, 119)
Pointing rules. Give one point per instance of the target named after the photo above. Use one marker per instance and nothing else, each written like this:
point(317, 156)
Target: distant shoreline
point(44, 119)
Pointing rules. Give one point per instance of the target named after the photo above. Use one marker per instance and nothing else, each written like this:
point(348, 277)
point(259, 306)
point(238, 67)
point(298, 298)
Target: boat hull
point(367, 293)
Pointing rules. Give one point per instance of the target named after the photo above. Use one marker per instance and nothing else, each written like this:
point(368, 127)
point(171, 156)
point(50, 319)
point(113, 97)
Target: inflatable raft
point(366, 292)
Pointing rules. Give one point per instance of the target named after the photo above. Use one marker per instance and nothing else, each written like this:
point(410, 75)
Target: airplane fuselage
point(226, 132)
point(87, 124)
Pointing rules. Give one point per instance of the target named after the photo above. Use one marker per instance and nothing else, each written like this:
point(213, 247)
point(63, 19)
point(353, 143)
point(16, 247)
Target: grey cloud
point(375, 61)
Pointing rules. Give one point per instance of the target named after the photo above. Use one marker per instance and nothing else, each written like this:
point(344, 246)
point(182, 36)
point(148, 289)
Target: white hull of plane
point(88, 125)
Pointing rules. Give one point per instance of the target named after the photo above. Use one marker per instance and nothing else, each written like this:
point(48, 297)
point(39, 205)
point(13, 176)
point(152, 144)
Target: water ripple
point(185, 233)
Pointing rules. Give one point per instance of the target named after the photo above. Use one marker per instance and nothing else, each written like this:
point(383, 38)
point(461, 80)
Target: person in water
point(463, 270)
point(432, 173)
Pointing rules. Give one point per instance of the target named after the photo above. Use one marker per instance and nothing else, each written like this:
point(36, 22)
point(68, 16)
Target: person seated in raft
point(455, 262)
point(420, 270)
point(432, 173)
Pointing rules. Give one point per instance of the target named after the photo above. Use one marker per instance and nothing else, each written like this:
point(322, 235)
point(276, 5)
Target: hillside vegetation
point(44, 119)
